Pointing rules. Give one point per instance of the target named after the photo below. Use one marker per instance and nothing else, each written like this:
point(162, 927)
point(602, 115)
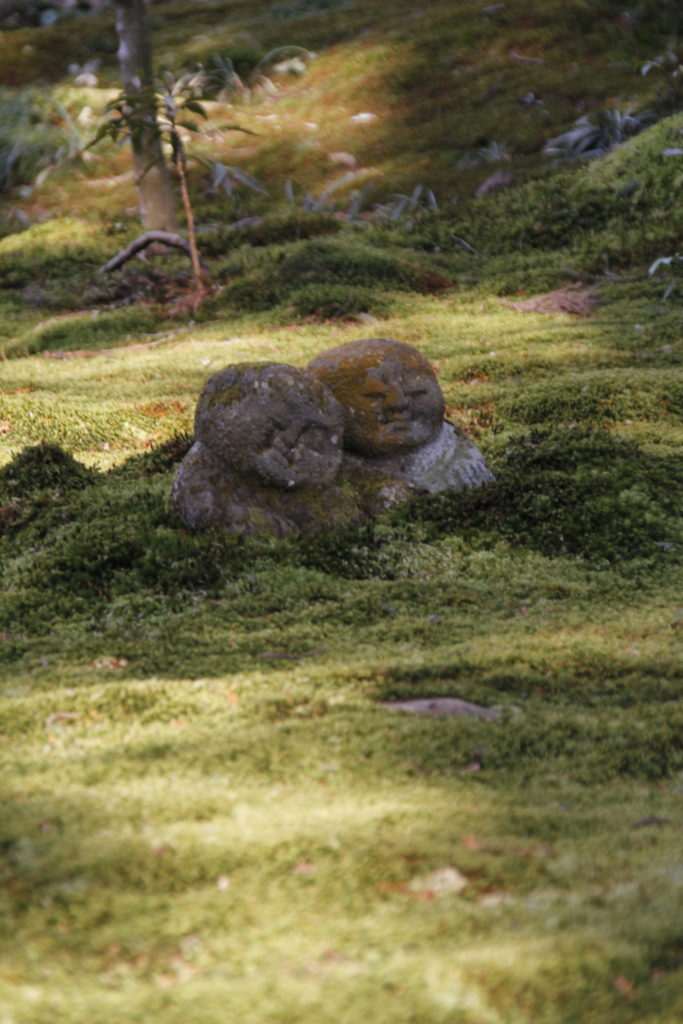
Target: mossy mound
point(338, 301)
point(598, 397)
point(325, 274)
point(114, 537)
point(618, 209)
point(573, 492)
point(276, 229)
point(45, 52)
point(52, 257)
point(564, 492)
point(42, 467)
point(92, 330)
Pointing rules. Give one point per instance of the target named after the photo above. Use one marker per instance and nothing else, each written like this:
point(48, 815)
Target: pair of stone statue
point(290, 452)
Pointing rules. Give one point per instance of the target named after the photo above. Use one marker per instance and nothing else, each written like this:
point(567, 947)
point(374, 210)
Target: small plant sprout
point(667, 261)
point(173, 98)
point(226, 178)
point(494, 152)
point(403, 207)
point(37, 135)
point(669, 64)
point(596, 134)
point(322, 203)
point(292, 60)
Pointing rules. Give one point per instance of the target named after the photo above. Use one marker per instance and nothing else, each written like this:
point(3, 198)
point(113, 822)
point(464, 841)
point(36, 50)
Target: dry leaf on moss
point(111, 663)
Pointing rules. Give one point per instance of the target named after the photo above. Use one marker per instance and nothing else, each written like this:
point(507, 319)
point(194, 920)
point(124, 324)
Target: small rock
point(441, 707)
point(344, 159)
point(443, 880)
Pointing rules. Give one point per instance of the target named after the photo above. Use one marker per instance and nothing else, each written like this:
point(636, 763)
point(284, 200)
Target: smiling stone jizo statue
point(289, 452)
point(394, 416)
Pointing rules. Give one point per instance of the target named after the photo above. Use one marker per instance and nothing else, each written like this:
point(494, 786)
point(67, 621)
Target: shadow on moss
point(578, 493)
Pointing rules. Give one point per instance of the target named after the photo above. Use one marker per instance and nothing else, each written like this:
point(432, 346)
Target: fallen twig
point(466, 245)
point(141, 242)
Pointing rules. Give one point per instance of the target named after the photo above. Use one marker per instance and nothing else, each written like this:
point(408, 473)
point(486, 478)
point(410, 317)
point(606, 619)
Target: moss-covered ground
point(208, 813)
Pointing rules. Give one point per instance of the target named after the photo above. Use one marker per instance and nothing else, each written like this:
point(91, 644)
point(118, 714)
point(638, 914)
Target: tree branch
point(141, 242)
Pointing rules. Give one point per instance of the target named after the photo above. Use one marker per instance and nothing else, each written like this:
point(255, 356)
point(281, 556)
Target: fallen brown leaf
point(304, 867)
point(404, 889)
point(61, 716)
point(622, 985)
point(111, 663)
point(472, 843)
point(230, 696)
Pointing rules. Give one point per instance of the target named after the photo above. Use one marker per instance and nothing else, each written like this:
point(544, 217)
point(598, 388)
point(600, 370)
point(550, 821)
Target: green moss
point(194, 755)
point(325, 277)
point(599, 398)
point(611, 211)
point(337, 302)
point(575, 492)
point(93, 330)
point(274, 229)
point(51, 260)
point(44, 53)
point(41, 468)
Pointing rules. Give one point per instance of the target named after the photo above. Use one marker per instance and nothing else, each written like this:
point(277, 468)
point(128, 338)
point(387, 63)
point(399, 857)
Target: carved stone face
point(273, 423)
point(389, 393)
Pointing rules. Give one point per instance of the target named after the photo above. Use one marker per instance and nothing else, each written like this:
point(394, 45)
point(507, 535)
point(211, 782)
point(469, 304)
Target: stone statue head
point(388, 391)
point(271, 422)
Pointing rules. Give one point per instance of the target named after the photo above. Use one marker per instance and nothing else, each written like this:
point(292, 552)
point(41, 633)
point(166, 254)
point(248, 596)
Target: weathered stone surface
point(388, 391)
point(267, 456)
point(450, 461)
point(207, 494)
point(393, 417)
point(440, 707)
point(289, 452)
point(271, 422)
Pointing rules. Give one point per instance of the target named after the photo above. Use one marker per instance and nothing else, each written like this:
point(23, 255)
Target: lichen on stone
point(394, 417)
point(290, 452)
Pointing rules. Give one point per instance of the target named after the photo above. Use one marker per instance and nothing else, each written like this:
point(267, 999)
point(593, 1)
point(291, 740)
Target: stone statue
point(289, 452)
point(266, 456)
point(394, 417)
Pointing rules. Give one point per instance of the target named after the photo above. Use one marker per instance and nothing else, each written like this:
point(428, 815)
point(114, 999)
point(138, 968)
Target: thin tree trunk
point(155, 192)
point(197, 273)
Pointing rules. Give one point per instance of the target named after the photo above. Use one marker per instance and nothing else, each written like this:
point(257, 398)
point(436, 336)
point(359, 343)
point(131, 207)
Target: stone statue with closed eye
point(393, 412)
point(267, 456)
point(290, 452)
